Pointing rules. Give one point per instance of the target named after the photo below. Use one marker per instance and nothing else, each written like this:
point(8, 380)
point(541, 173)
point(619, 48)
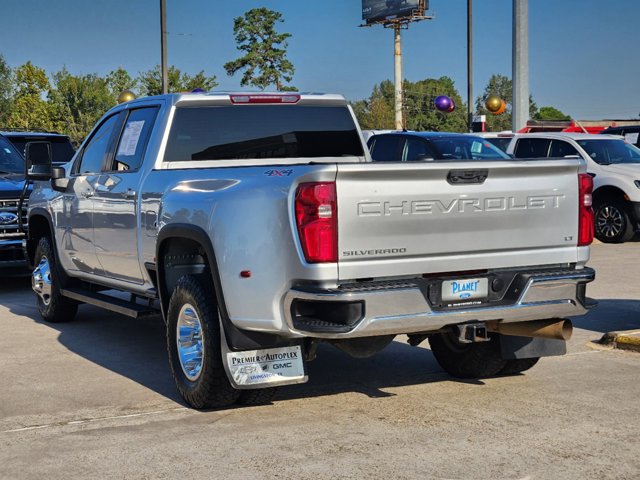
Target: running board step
point(108, 302)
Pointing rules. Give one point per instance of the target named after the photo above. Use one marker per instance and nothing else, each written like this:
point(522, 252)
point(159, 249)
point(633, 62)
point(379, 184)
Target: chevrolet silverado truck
point(258, 226)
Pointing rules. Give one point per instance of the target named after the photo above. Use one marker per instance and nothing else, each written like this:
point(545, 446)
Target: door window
point(385, 148)
point(97, 148)
point(133, 140)
point(560, 148)
point(532, 148)
point(417, 150)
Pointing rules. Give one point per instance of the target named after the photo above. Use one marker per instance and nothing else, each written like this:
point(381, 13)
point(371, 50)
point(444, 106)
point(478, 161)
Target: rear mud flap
point(514, 348)
point(263, 368)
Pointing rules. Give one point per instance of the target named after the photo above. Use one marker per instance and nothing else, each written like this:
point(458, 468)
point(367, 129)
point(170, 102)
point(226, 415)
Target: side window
point(560, 148)
point(133, 140)
point(532, 148)
point(96, 150)
point(385, 148)
point(416, 150)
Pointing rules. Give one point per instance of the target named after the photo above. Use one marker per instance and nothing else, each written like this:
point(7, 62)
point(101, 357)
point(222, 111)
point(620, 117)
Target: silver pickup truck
point(258, 226)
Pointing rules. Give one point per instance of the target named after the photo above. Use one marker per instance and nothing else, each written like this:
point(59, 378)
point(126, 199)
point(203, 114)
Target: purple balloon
point(444, 103)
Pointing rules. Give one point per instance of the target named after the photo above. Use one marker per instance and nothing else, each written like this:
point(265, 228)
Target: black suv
point(631, 133)
point(12, 252)
point(61, 148)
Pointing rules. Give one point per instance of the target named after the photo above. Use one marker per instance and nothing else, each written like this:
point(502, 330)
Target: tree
point(29, 110)
point(265, 60)
point(151, 81)
point(77, 102)
point(551, 113)
point(377, 112)
point(119, 80)
point(6, 89)
point(502, 87)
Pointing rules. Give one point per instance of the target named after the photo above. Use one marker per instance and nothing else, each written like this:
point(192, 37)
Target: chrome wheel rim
point(41, 280)
point(189, 338)
point(610, 221)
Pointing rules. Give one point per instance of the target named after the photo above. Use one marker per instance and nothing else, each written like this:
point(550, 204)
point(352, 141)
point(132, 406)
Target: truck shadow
point(611, 315)
point(136, 349)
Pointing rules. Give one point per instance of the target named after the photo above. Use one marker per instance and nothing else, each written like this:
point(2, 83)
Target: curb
point(629, 340)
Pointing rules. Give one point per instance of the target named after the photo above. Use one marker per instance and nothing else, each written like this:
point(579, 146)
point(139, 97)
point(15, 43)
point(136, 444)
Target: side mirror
point(59, 180)
point(38, 160)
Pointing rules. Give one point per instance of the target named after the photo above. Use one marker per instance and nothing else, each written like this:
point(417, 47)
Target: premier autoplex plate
point(269, 367)
point(465, 290)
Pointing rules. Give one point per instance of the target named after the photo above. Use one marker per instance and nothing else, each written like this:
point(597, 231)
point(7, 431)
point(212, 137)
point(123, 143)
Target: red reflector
point(264, 98)
point(585, 211)
point(317, 221)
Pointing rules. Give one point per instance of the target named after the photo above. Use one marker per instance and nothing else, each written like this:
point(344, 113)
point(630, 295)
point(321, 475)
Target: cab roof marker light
point(244, 99)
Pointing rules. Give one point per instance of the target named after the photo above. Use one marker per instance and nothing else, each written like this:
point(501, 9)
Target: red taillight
point(585, 210)
point(265, 98)
point(317, 221)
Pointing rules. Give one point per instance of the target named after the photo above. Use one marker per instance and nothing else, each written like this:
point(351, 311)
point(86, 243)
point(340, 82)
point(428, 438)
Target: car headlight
point(637, 182)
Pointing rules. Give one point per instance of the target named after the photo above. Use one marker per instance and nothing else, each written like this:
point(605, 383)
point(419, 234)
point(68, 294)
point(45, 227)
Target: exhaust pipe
point(555, 328)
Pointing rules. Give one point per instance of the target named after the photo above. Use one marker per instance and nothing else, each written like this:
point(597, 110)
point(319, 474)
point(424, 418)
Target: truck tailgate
point(414, 218)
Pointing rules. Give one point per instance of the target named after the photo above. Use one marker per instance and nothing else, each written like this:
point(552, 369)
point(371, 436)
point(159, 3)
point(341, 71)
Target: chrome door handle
point(87, 193)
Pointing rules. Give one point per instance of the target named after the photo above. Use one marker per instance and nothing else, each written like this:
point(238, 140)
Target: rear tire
point(514, 367)
point(467, 360)
point(613, 222)
point(193, 343)
point(45, 281)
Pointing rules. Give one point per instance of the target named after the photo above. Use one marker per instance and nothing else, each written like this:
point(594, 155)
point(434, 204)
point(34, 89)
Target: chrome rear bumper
point(402, 307)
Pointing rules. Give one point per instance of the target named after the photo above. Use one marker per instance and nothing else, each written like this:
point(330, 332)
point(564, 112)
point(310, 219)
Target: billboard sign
point(377, 10)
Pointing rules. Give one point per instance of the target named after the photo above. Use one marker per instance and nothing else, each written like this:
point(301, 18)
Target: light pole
point(163, 46)
point(520, 65)
point(470, 64)
point(397, 56)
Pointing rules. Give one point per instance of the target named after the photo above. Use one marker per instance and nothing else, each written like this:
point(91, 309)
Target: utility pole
point(470, 64)
point(163, 45)
point(520, 65)
point(397, 55)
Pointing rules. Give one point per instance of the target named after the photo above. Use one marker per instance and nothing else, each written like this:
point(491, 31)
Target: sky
point(581, 52)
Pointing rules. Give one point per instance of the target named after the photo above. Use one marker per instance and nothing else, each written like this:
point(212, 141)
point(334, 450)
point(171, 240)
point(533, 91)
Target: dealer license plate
point(465, 290)
point(269, 366)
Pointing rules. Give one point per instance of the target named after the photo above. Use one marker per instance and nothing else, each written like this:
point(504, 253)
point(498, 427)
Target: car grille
point(9, 229)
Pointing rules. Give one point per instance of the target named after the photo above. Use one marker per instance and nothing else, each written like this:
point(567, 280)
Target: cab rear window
point(261, 131)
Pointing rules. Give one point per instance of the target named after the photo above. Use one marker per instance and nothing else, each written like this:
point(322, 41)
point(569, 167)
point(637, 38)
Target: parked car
point(12, 252)
point(631, 133)
point(61, 147)
point(498, 139)
point(429, 146)
point(615, 166)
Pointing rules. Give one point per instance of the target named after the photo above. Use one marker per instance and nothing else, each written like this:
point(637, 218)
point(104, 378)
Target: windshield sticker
point(631, 137)
point(476, 147)
point(130, 138)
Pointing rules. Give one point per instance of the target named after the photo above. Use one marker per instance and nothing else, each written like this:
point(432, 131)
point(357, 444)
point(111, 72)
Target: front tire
point(45, 281)
point(467, 360)
point(613, 223)
point(193, 343)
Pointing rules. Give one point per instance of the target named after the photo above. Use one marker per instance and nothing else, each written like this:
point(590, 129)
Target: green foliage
point(29, 110)
point(377, 112)
point(151, 81)
point(78, 102)
point(551, 113)
point(6, 86)
point(264, 62)
point(119, 80)
point(502, 87)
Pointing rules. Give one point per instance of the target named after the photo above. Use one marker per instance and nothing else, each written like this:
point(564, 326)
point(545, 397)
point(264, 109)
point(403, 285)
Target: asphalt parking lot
point(95, 399)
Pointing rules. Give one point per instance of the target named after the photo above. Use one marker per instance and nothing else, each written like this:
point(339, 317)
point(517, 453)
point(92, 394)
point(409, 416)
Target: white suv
point(615, 166)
